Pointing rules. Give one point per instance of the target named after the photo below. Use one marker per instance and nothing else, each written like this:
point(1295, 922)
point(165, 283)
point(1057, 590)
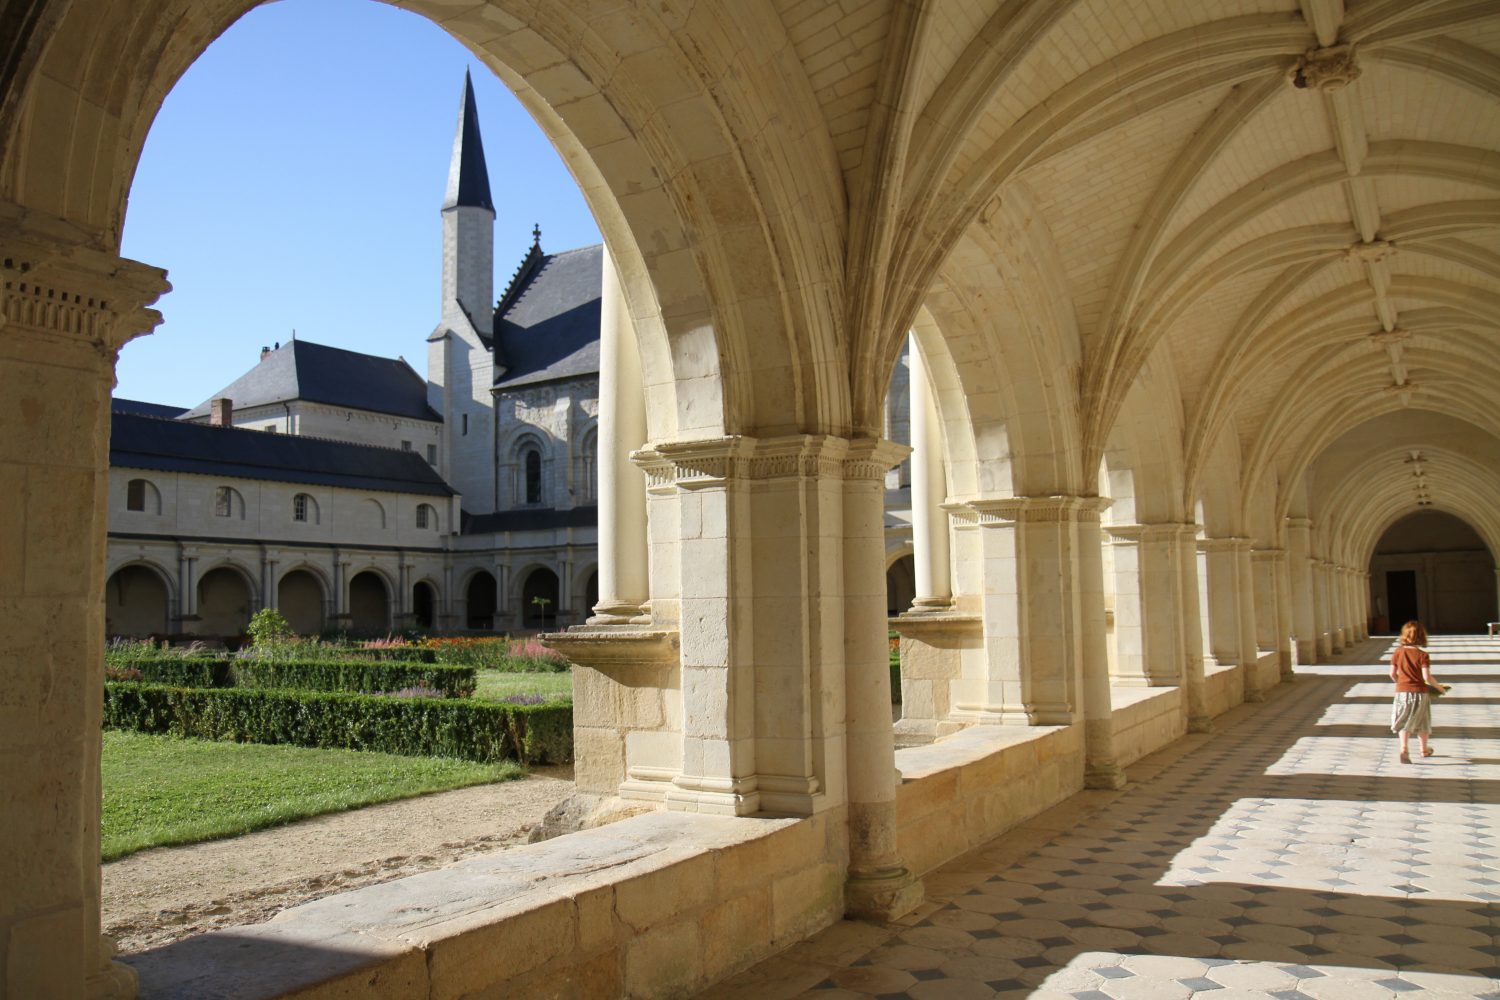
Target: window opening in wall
point(533, 476)
point(432, 454)
point(424, 515)
point(135, 495)
point(223, 502)
point(406, 446)
point(299, 507)
point(465, 423)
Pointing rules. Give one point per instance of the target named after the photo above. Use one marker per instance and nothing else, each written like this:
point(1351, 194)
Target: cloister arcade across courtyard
point(1203, 300)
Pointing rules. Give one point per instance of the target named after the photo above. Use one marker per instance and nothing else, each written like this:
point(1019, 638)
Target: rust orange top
point(1407, 663)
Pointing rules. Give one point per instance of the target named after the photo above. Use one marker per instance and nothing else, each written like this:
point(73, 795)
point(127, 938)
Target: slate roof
point(529, 520)
point(301, 369)
point(143, 409)
point(468, 177)
point(138, 442)
point(547, 327)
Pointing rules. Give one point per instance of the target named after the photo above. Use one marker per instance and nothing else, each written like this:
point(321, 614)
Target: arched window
point(533, 463)
point(304, 508)
point(426, 516)
point(588, 468)
point(141, 495)
point(228, 502)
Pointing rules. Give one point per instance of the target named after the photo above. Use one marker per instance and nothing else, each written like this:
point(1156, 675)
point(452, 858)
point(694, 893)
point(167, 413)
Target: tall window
point(426, 516)
point(533, 476)
point(135, 495)
point(223, 502)
point(432, 454)
point(588, 471)
point(299, 507)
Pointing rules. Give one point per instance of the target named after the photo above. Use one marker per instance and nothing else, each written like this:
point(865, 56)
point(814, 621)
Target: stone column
point(187, 584)
point(1101, 767)
point(1322, 619)
point(65, 311)
point(564, 588)
point(1299, 569)
point(340, 589)
point(1148, 609)
point(929, 490)
point(1198, 718)
point(1218, 561)
point(403, 601)
point(1028, 674)
point(1272, 610)
point(880, 886)
point(623, 571)
point(1287, 653)
point(268, 595)
point(1249, 649)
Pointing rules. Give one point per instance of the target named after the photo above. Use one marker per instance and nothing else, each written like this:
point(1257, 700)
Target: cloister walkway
point(1288, 854)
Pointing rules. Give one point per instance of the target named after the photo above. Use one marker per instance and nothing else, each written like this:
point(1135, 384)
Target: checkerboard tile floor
point(1288, 854)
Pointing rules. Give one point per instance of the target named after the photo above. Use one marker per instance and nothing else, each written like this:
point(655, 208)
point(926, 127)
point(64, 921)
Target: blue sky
point(292, 180)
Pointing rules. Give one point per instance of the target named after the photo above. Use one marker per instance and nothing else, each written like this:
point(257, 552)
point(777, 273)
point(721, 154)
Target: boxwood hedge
point(426, 727)
point(364, 676)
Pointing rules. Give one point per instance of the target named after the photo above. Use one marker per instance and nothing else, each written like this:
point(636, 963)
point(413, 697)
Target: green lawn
point(159, 790)
point(497, 684)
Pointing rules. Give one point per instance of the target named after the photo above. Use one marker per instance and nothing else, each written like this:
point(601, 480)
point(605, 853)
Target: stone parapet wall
point(1223, 687)
point(978, 783)
point(659, 905)
point(1146, 719)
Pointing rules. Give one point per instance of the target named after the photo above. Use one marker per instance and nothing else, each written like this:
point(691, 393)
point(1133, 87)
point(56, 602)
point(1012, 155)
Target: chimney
point(221, 412)
point(265, 352)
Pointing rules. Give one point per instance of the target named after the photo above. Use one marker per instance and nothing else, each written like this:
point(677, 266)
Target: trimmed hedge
point(180, 671)
point(401, 654)
point(365, 676)
point(419, 727)
point(360, 676)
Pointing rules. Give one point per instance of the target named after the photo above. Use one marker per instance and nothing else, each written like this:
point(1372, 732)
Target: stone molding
point(53, 285)
point(739, 458)
point(1268, 555)
point(615, 647)
point(1032, 510)
point(1373, 252)
point(938, 625)
point(1158, 532)
point(1326, 69)
point(1225, 543)
point(1299, 522)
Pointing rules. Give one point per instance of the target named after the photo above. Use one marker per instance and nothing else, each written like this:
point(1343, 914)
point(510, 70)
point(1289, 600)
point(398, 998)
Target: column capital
point(1268, 554)
point(1299, 522)
point(61, 290)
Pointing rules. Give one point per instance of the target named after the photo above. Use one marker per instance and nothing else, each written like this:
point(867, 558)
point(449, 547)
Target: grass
point(497, 684)
point(159, 790)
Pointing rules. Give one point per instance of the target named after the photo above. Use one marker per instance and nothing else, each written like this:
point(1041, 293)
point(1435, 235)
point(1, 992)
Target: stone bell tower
point(459, 365)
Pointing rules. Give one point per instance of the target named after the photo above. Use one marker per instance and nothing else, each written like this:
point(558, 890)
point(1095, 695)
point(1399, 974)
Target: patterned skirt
point(1412, 712)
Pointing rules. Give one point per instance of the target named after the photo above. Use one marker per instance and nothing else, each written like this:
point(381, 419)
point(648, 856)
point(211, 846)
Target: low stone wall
point(978, 783)
point(1223, 687)
point(660, 905)
point(1146, 719)
point(1268, 669)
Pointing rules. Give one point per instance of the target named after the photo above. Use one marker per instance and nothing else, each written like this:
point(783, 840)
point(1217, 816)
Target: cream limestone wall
point(1145, 720)
point(356, 426)
point(560, 420)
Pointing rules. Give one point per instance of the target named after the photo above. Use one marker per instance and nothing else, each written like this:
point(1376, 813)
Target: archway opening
point(369, 605)
point(224, 601)
point(539, 595)
point(1433, 567)
point(479, 599)
point(136, 603)
point(900, 585)
point(423, 605)
point(590, 594)
point(299, 597)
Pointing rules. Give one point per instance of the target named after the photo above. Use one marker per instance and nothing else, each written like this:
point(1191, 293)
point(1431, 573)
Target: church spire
point(468, 176)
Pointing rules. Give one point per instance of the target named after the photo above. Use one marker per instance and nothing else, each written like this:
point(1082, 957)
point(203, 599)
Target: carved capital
point(58, 289)
point(1268, 555)
point(1370, 253)
point(737, 458)
point(1228, 543)
point(1325, 69)
point(1052, 509)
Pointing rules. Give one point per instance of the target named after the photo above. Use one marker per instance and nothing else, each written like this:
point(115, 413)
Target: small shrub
point(269, 628)
point(121, 673)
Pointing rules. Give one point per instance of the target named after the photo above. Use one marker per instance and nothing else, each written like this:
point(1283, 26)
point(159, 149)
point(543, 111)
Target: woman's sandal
point(1428, 752)
point(1405, 758)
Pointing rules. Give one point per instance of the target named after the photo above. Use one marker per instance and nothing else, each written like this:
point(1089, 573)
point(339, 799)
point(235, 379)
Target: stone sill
point(967, 746)
point(551, 908)
point(1126, 697)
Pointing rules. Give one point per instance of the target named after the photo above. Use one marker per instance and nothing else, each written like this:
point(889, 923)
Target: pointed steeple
point(468, 176)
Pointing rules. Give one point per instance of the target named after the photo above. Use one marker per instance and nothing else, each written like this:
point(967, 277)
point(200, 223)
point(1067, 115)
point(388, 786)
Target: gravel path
point(161, 895)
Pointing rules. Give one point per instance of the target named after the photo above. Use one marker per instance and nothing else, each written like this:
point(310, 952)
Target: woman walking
point(1411, 669)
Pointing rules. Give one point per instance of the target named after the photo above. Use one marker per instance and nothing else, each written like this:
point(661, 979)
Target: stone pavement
point(1288, 854)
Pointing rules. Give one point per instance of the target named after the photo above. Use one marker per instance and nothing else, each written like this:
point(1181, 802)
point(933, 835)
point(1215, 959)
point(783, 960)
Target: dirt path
point(161, 895)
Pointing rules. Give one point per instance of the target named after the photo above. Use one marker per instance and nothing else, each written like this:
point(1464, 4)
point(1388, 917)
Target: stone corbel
point(613, 649)
point(1325, 69)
